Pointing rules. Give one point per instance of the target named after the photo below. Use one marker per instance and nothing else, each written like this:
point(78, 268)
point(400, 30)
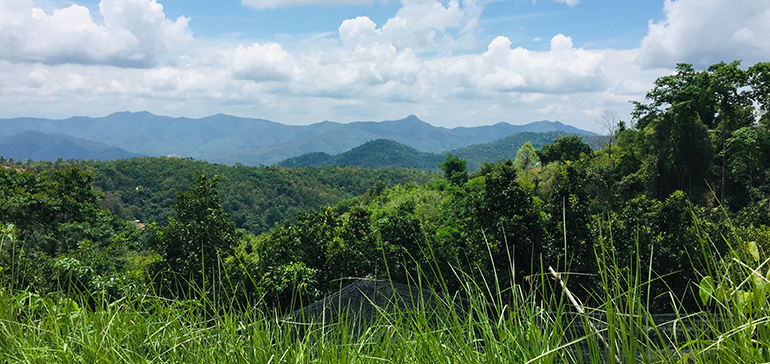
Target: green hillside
point(307, 159)
point(507, 147)
point(379, 153)
point(257, 197)
point(388, 153)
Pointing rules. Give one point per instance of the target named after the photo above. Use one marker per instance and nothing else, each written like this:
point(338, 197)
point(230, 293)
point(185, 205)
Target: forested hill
point(41, 146)
point(230, 140)
point(257, 197)
point(373, 154)
point(388, 153)
point(506, 148)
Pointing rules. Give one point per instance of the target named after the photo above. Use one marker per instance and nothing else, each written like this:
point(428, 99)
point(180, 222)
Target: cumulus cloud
point(271, 4)
point(704, 32)
point(267, 62)
point(403, 66)
point(134, 33)
point(382, 71)
point(423, 25)
point(562, 69)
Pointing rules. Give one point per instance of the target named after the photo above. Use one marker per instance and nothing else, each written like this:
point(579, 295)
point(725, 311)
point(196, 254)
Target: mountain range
point(388, 153)
point(41, 146)
point(230, 139)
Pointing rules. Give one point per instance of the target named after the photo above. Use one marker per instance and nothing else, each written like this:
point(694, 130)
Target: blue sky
point(451, 63)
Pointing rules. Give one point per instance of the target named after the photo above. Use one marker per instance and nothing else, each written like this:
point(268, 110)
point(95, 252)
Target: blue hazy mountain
point(230, 139)
point(41, 146)
point(378, 153)
point(388, 153)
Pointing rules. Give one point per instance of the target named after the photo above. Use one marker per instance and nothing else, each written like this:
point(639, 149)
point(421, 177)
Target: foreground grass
point(36, 329)
point(733, 327)
point(51, 329)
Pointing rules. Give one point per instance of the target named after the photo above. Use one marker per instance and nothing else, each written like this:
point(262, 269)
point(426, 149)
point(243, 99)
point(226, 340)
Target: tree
point(609, 123)
point(201, 233)
point(685, 86)
point(726, 80)
point(566, 148)
point(455, 170)
point(748, 159)
point(526, 157)
point(674, 125)
point(58, 217)
point(570, 218)
point(759, 80)
point(504, 226)
point(658, 235)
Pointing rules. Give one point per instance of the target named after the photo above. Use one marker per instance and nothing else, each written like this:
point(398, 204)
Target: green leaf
point(721, 294)
point(754, 250)
point(744, 300)
point(706, 289)
point(761, 289)
point(768, 274)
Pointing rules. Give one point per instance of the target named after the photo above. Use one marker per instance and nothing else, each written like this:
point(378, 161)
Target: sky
point(452, 63)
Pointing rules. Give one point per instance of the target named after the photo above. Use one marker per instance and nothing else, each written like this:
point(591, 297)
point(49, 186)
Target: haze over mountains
point(387, 153)
point(229, 139)
point(41, 146)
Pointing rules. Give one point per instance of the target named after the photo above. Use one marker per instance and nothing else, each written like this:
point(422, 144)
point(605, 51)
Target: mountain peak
point(130, 116)
point(411, 119)
point(133, 113)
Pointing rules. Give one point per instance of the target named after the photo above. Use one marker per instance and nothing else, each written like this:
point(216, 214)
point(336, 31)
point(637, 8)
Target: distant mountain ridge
point(388, 153)
point(378, 153)
point(41, 146)
point(230, 139)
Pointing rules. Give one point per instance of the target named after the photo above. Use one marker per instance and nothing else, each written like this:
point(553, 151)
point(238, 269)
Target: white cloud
point(704, 32)
point(268, 62)
point(556, 108)
point(568, 2)
point(423, 25)
point(271, 4)
point(562, 69)
point(39, 76)
point(376, 72)
point(134, 33)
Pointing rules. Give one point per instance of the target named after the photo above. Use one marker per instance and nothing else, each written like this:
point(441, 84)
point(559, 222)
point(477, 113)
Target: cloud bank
point(134, 33)
point(704, 32)
point(420, 61)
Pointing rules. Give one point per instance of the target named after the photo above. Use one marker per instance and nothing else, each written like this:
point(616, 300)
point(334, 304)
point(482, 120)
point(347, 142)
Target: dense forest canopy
point(257, 197)
point(688, 172)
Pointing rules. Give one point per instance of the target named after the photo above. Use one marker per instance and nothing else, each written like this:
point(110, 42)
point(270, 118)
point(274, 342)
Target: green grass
point(516, 325)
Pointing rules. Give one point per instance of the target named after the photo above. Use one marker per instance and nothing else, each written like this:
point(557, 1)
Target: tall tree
point(759, 80)
point(726, 80)
point(675, 125)
point(609, 122)
point(201, 233)
point(526, 157)
point(505, 224)
point(685, 85)
point(748, 161)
